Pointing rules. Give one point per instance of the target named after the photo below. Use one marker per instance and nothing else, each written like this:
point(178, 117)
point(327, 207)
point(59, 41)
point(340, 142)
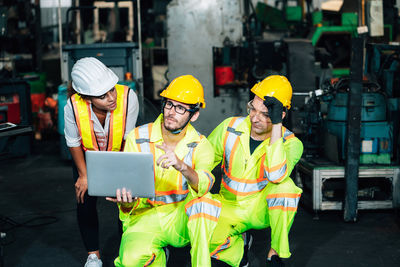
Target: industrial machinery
point(322, 173)
point(376, 130)
point(239, 56)
point(332, 39)
point(383, 67)
point(247, 45)
point(15, 107)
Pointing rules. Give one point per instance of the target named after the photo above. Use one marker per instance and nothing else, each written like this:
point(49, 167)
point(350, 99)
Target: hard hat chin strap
point(183, 127)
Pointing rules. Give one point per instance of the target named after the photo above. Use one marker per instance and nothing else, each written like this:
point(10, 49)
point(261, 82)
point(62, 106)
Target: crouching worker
point(258, 155)
point(182, 212)
point(98, 116)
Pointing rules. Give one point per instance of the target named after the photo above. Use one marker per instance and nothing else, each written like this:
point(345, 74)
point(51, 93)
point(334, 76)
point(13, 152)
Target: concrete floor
point(37, 211)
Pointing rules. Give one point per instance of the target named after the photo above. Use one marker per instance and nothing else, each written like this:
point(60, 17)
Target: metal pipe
point(38, 37)
point(67, 18)
point(139, 27)
point(141, 89)
point(78, 24)
point(362, 12)
point(60, 39)
point(353, 128)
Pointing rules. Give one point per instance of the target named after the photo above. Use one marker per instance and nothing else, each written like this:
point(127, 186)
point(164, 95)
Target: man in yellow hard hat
point(183, 211)
point(258, 155)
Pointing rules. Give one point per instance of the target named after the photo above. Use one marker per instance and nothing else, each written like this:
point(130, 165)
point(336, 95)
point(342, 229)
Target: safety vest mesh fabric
point(142, 134)
point(83, 114)
point(240, 186)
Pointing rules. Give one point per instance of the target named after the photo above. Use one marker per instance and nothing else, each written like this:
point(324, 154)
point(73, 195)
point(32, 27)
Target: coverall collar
point(156, 133)
point(245, 129)
point(245, 126)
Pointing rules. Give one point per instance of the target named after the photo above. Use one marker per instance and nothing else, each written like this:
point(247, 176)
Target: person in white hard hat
point(98, 116)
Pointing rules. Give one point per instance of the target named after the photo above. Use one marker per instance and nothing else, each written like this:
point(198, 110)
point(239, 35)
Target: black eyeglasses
point(178, 108)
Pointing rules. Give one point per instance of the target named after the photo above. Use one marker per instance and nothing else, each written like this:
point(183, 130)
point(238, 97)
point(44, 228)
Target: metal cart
point(323, 184)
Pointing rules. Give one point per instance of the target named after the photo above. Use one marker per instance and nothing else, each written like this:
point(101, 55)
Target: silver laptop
point(108, 171)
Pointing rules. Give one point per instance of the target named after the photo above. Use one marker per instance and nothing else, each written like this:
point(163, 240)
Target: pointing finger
point(163, 147)
point(161, 158)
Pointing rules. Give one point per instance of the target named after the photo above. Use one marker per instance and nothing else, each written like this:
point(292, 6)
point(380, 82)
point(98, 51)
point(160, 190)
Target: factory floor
point(37, 213)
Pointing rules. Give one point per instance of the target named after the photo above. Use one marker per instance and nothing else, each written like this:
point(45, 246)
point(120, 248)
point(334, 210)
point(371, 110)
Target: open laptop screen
point(107, 171)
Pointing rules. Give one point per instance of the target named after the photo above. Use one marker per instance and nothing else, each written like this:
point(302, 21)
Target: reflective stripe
point(276, 175)
point(230, 140)
point(204, 208)
point(232, 130)
point(142, 134)
point(143, 139)
point(167, 199)
point(287, 134)
point(235, 185)
point(152, 259)
point(284, 201)
point(245, 187)
point(188, 159)
point(116, 130)
point(118, 119)
point(83, 115)
point(211, 178)
point(242, 187)
point(220, 248)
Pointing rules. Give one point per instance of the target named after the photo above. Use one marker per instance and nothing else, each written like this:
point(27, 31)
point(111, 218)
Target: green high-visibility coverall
point(256, 190)
point(178, 215)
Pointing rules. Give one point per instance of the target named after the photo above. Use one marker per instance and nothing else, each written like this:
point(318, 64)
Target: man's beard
point(180, 125)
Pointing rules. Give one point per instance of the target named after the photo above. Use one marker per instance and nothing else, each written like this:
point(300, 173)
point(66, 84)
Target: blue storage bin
point(62, 101)
point(378, 132)
point(373, 107)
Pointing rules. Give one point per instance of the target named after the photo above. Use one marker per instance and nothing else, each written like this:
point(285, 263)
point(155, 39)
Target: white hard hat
point(91, 77)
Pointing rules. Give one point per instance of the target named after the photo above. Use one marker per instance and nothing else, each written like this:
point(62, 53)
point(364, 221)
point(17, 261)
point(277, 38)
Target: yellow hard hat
point(186, 89)
point(277, 86)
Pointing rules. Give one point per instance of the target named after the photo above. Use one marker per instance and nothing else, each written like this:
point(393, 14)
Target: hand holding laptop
point(122, 196)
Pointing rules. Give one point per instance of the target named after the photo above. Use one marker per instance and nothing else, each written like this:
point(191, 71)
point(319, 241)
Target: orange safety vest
point(243, 186)
point(83, 114)
point(142, 135)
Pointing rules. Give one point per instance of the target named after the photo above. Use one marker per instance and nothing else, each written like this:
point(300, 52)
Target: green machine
point(335, 39)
